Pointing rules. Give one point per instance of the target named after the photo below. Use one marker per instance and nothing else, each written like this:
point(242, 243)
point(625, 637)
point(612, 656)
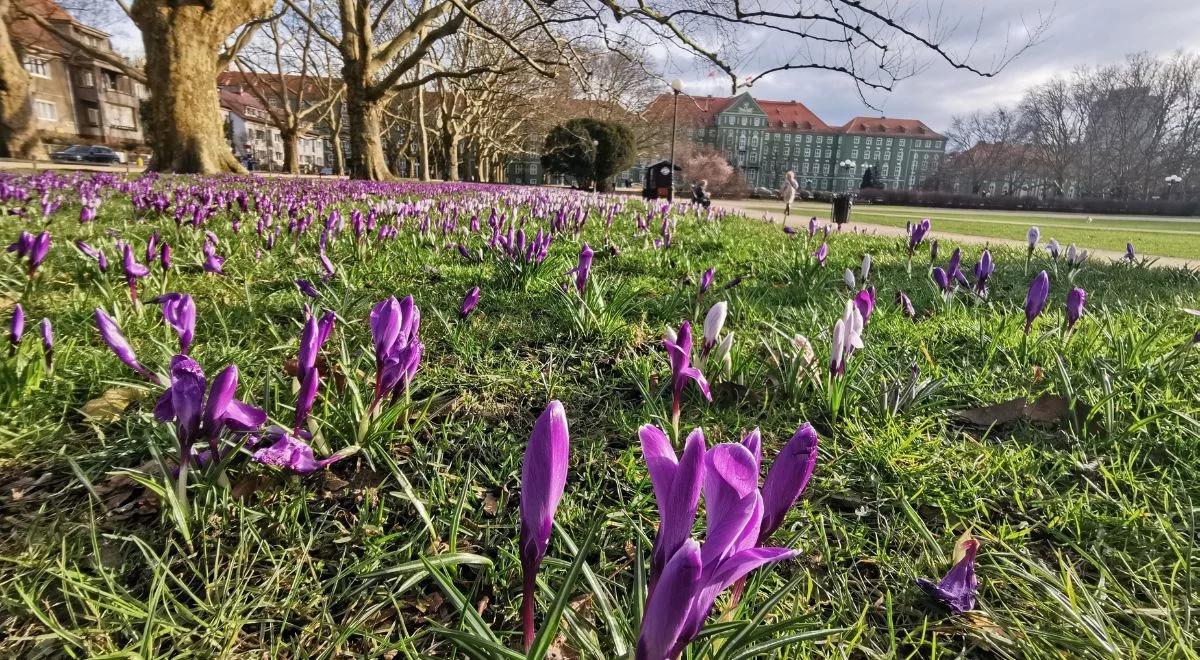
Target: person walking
point(700, 194)
point(787, 192)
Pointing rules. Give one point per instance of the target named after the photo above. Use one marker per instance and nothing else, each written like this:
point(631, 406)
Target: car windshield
point(77, 149)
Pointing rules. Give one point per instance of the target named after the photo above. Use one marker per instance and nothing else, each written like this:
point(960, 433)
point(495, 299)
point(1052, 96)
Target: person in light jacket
point(787, 192)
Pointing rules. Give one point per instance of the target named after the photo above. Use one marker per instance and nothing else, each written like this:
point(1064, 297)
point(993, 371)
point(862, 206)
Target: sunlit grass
point(1088, 529)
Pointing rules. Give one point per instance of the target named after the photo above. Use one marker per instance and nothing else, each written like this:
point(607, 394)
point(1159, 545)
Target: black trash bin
point(658, 180)
point(841, 208)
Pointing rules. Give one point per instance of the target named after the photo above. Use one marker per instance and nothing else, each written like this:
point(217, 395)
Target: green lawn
point(1175, 237)
point(1087, 525)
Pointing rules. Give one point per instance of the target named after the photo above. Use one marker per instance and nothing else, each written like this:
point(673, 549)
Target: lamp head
point(677, 85)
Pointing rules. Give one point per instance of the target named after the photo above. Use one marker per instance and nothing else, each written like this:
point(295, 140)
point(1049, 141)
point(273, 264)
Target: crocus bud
point(16, 325)
point(714, 321)
point(848, 276)
point(865, 271)
point(543, 479)
point(1033, 236)
point(1075, 302)
point(469, 302)
point(1035, 299)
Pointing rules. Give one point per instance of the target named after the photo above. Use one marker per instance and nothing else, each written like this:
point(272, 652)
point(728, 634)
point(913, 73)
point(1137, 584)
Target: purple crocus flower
point(953, 269)
point(787, 478)
point(696, 574)
point(676, 484)
point(680, 354)
point(16, 325)
point(543, 479)
point(308, 289)
point(38, 251)
point(583, 269)
point(1130, 255)
point(1032, 237)
point(47, 332)
point(821, 253)
point(213, 262)
point(933, 250)
point(917, 234)
point(469, 302)
point(83, 247)
point(111, 333)
point(983, 270)
point(1035, 300)
point(133, 270)
point(290, 452)
point(706, 279)
point(196, 416)
point(164, 257)
point(941, 279)
point(312, 337)
point(22, 245)
point(957, 589)
point(394, 329)
point(1076, 299)
point(906, 305)
point(179, 311)
point(812, 227)
point(865, 302)
point(790, 231)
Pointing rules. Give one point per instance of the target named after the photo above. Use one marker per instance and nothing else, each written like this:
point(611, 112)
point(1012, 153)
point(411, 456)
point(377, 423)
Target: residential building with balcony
point(76, 98)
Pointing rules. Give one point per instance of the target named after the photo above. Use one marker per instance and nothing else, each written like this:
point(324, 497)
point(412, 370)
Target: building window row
point(45, 110)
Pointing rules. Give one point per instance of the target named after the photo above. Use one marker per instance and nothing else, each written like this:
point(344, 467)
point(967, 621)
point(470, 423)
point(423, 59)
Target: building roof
point(237, 101)
point(703, 110)
point(26, 33)
point(693, 110)
point(888, 126)
point(792, 114)
point(294, 83)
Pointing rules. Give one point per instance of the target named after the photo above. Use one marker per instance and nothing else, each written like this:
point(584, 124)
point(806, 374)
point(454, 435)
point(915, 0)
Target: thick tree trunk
point(183, 43)
point(366, 146)
point(450, 146)
point(291, 149)
point(18, 137)
point(339, 156)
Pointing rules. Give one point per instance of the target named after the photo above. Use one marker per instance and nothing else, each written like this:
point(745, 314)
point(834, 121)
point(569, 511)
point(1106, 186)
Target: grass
point(1087, 528)
point(1173, 237)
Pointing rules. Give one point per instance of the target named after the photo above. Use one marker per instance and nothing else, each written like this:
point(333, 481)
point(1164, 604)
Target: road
point(752, 209)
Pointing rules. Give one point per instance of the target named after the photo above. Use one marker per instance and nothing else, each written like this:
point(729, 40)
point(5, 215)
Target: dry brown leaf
point(1047, 409)
point(490, 504)
point(108, 406)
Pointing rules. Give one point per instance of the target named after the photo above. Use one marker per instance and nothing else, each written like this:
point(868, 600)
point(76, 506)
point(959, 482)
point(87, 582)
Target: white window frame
point(40, 104)
point(38, 67)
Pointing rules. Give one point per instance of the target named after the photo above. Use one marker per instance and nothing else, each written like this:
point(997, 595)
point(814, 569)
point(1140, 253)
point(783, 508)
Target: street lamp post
point(1171, 181)
point(847, 165)
point(676, 88)
point(595, 165)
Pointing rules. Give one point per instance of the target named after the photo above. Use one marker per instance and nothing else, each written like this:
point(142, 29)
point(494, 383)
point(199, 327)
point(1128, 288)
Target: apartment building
point(76, 98)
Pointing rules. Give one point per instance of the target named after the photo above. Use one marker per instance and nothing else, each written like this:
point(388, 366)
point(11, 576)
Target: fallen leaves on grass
point(108, 407)
point(1046, 409)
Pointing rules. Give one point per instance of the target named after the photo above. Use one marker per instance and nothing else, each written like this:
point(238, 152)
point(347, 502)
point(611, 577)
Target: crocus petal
point(667, 609)
point(543, 479)
point(787, 478)
point(730, 498)
point(676, 488)
point(957, 589)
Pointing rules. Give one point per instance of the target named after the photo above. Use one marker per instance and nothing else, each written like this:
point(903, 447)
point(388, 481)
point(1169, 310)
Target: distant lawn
point(1171, 237)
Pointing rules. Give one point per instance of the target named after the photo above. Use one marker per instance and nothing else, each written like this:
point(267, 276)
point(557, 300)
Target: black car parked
point(84, 154)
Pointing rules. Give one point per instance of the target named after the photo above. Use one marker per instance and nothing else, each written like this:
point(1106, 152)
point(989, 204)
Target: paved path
point(800, 219)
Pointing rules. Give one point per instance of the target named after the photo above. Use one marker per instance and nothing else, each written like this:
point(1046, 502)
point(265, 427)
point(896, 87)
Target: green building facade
point(764, 139)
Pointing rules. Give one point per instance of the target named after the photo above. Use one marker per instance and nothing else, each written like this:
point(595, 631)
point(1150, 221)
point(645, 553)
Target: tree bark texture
point(183, 41)
point(18, 136)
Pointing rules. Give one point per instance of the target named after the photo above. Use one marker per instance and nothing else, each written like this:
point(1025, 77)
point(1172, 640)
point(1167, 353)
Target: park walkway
point(800, 220)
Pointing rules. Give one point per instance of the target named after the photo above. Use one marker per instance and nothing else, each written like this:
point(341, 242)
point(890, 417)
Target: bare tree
point(279, 69)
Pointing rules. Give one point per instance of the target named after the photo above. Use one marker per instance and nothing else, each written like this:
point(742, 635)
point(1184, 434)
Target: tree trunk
point(450, 146)
point(18, 137)
point(366, 146)
point(291, 149)
point(339, 156)
point(422, 131)
point(183, 43)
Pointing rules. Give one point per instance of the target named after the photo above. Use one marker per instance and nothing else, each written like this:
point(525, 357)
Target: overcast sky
point(1081, 32)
